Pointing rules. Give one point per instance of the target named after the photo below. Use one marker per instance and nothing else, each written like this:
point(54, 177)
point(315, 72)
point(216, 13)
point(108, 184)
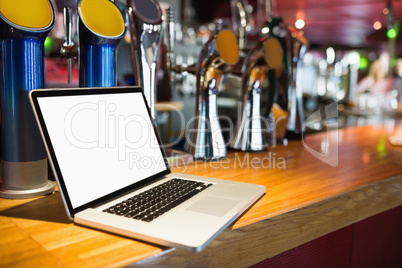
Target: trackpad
point(212, 205)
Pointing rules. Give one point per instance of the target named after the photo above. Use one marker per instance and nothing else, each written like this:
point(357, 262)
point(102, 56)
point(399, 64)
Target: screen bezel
point(34, 95)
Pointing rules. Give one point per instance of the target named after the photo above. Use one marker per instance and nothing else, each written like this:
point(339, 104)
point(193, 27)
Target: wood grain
point(256, 242)
point(305, 199)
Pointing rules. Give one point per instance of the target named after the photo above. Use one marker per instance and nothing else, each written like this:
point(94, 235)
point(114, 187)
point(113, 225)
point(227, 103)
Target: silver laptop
point(112, 172)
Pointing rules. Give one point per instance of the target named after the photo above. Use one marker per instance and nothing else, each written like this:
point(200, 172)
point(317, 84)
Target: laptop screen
point(102, 142)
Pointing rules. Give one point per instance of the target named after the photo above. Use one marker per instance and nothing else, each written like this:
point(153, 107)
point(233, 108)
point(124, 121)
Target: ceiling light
point(300, 24)
point(385, 11)
point(377, 25)
point(330, 55)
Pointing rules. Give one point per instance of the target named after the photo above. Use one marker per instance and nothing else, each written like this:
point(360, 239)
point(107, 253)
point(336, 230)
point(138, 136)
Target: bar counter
point(306, 198)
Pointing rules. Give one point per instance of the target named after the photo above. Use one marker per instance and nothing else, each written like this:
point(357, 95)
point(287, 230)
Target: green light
point(391, 33)
point(363, 64)
point(381, 150)
point(48, 42)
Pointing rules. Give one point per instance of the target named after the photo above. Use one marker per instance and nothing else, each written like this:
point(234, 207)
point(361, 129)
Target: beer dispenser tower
point(101, 26)
point(205, 139)
point(250, 130)
point(146, 30)
point(23, 29)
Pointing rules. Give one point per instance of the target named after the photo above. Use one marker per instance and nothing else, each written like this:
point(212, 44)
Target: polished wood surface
point(305, 199)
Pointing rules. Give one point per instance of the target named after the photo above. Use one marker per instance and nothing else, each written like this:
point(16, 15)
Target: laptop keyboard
point(158, 200)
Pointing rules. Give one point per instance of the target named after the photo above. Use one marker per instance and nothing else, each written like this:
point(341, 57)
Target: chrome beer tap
point(297, 46)
point(68, 50)
point(145, 19)
point(205, 140)
point(294, 46)
point(265, 56)
point(169, 39)
point(240, 21)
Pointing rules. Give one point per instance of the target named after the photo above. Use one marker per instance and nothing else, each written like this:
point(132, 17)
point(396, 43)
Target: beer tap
point(297, 47)
point(294, 45)
point(205, 140)
point(97, 42)
point(68, 50)
point(24, 170)
point(169, 39)
point(145, 19)
point(265, 56)
point(240, 21)
point(101, 26)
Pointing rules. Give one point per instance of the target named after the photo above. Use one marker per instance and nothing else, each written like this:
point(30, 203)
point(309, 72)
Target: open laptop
point(106, 155)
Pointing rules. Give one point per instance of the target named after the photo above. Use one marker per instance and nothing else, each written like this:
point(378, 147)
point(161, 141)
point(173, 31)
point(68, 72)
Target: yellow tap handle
point(227, 46)
point(35, 14)
point(102, 17)
point(273, 53)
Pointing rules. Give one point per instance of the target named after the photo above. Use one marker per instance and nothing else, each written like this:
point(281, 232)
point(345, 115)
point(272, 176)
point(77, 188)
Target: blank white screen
point(102, 142)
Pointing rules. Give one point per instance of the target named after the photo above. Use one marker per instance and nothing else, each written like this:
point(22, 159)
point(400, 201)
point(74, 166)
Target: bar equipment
point(240, 21)
point(24, 27)
point(265, 56)
point(68, 50)
point(101, 26)
point(297, 47)
point(205, 140)
point(290, 93)
point(169, 39)
point(146, 29)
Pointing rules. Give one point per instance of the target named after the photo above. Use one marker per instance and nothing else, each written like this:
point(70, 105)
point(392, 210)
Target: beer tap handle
point(170, 39)
point(67, 49)
point(240, 21)
point(69, 37)
point(68, 25)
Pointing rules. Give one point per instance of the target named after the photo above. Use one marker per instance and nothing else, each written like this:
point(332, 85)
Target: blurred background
point(354, 56)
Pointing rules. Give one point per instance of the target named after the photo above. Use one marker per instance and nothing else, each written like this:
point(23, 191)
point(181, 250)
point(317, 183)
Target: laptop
point(112, 172)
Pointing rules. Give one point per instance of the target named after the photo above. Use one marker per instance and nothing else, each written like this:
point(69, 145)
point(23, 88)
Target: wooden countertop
point(305, 199)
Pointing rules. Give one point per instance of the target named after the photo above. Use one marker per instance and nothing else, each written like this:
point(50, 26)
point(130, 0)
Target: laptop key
point(155, 202)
